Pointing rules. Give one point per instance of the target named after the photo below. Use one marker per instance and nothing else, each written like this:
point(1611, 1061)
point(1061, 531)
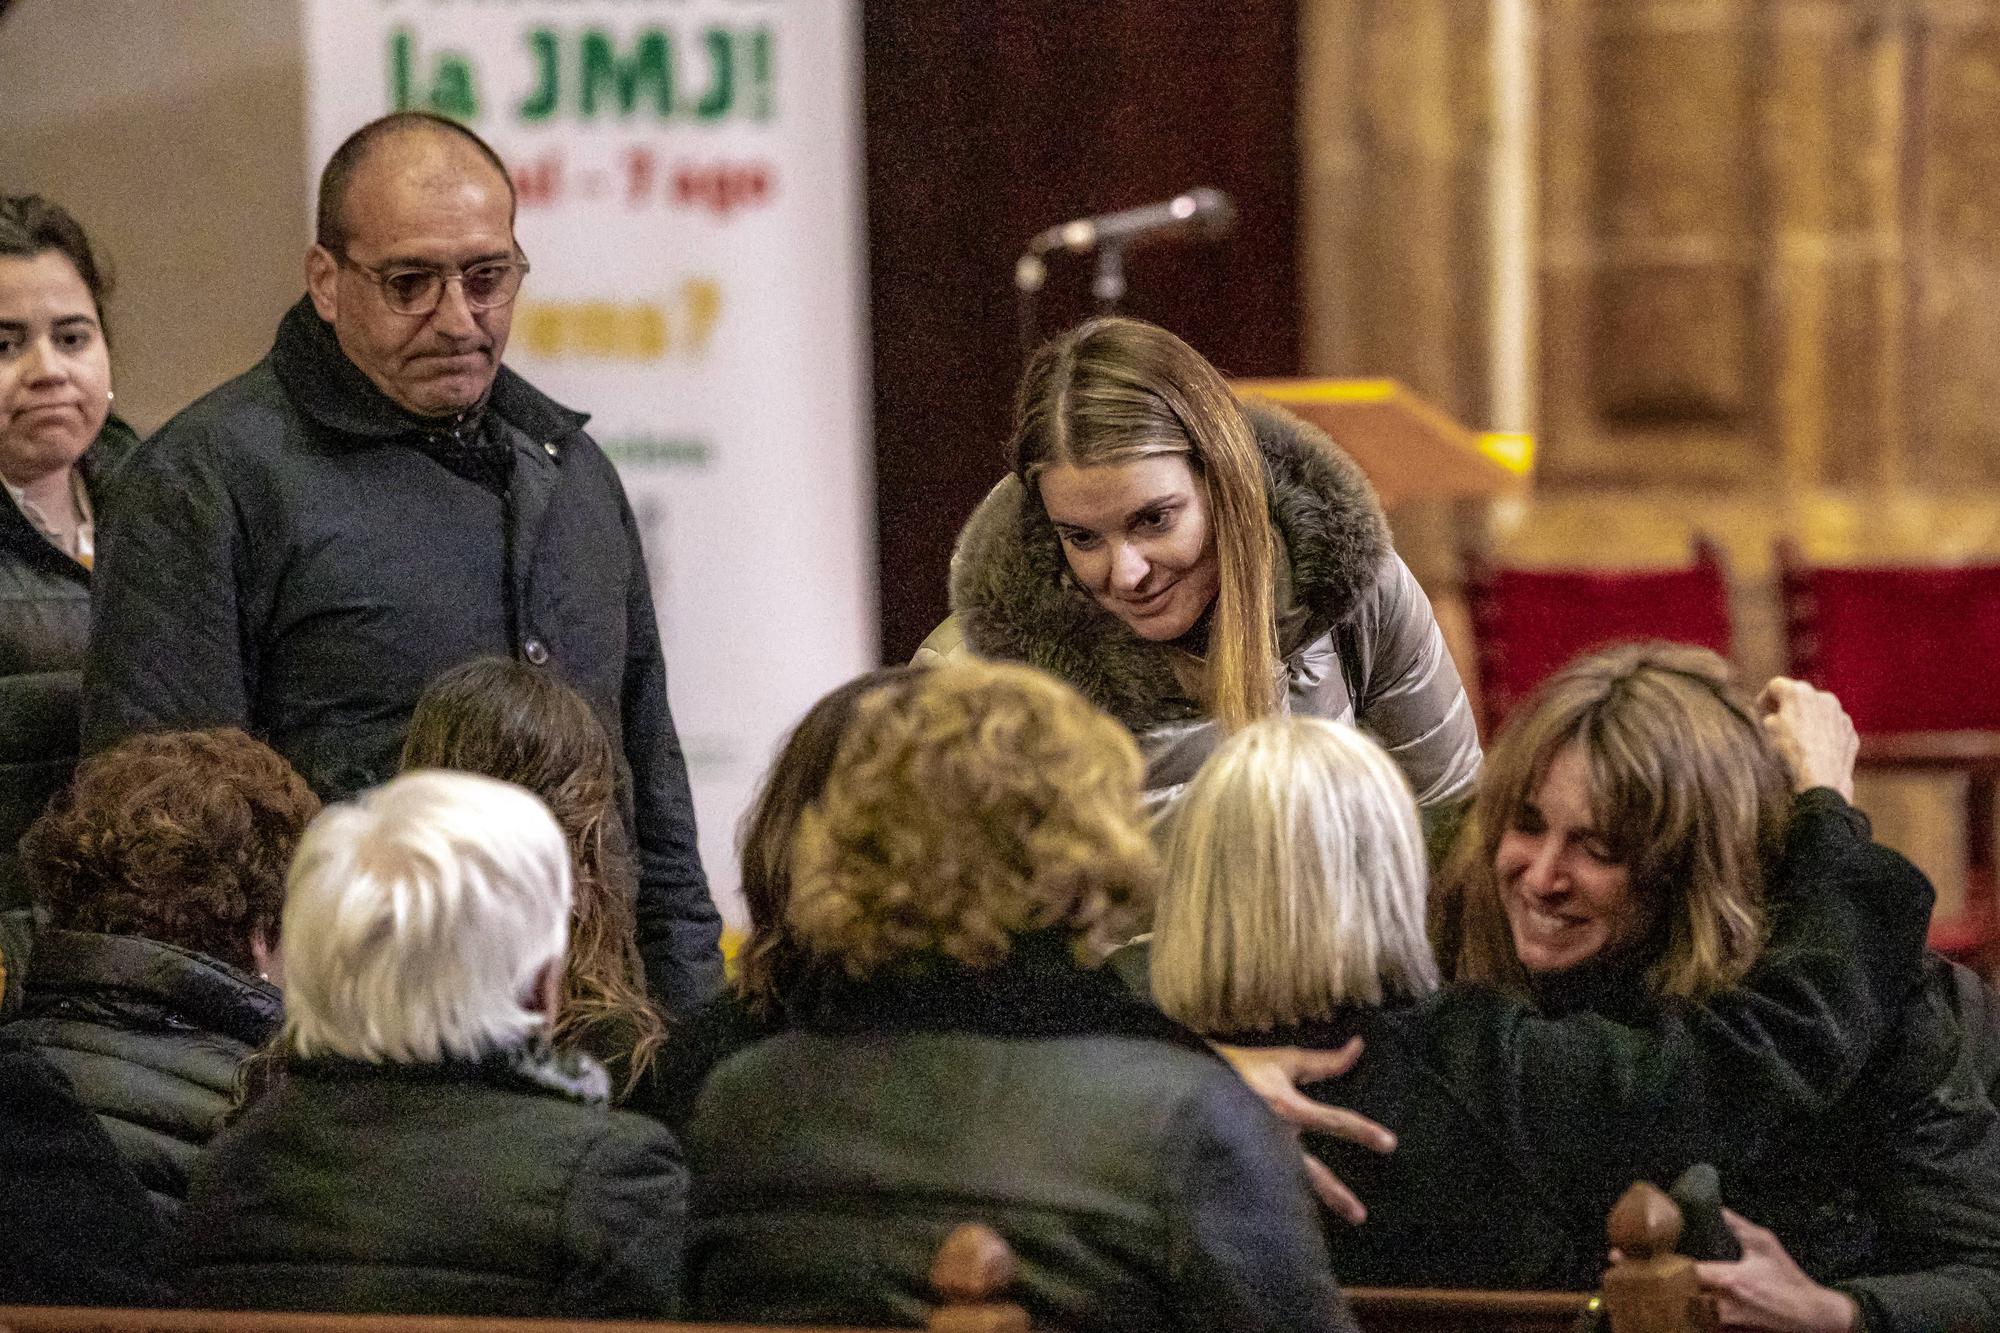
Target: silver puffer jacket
point(1360, 644)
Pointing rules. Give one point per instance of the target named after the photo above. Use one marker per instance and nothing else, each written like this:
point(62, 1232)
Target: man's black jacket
point(284, 556)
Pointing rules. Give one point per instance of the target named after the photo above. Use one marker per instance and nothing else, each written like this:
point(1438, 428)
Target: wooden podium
point(1409, 449)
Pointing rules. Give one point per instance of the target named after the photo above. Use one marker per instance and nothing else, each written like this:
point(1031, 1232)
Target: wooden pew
point(1651, 1290)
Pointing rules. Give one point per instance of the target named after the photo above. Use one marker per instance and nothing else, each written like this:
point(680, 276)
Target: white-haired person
point(425, 1151)
point(1295, 914)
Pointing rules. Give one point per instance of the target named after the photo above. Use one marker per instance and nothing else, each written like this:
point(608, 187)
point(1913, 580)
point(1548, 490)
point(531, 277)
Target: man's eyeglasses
point(417, 291)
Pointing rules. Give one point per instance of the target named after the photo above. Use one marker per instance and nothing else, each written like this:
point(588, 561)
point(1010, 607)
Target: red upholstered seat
point(1531, 622)
point(1912, 653)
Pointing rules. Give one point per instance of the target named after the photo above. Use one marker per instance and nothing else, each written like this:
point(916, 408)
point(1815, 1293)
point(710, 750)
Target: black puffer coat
point(285, 557)
point(1139, 1182)
point(45, 595)
point(75, 1227)
point(44, 625)
point(151, 1036)
point(497, 1187)
point(1893, 1195)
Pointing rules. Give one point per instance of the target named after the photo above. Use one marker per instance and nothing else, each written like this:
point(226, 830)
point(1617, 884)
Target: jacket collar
point(1012, 594)
point(207, 992)
point(1039, 990)
point(333, 391)
point(114, 441)
point(532, 1066)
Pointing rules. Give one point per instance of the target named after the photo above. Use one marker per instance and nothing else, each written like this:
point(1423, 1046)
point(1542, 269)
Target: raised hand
point(1813, 733)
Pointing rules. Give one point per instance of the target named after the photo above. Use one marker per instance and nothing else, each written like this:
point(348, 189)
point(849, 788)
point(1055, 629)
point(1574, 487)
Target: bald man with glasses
point(302, 550)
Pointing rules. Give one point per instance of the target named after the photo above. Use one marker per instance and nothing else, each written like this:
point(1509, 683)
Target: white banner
point(689, 180)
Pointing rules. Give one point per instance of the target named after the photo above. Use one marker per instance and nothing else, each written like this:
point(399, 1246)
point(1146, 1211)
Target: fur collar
point(1011, 591)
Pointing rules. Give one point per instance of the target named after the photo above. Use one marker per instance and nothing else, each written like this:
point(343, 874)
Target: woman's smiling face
point(1137, 537)
point(1566, 897)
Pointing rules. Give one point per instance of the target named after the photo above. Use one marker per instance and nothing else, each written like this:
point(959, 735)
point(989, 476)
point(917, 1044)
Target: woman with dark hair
point(772, 964)
point(508, 720)
point(162, 870)
point(1621, 857)
point(57, 434)
point(959, 1053)
point(58, 440)
point(1191, 564)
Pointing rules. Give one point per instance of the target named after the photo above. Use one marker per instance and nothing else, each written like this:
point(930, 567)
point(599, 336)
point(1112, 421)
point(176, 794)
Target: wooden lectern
point(1410, 449)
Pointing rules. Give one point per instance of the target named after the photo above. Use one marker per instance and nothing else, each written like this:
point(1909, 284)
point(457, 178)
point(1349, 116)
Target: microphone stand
point(1030, 272)
point(1108, 283)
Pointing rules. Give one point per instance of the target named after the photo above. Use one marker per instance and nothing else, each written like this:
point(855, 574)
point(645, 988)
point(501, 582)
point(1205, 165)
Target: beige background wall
point(176, 133)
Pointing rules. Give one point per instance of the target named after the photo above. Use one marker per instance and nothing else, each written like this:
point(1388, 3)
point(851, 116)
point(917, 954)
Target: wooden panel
point(1955, 248)
point(1395, 167)
point(1652, 222)
point(1675, 217)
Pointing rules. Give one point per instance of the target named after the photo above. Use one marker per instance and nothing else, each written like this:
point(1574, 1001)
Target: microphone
point(1207, 212)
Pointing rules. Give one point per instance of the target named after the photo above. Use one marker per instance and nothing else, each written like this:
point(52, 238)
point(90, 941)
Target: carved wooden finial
point(1651, 1289)
point(972, 1268)
point(1644, 1223)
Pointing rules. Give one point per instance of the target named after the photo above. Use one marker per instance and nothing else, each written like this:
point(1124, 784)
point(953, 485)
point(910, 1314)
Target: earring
point(110, 395)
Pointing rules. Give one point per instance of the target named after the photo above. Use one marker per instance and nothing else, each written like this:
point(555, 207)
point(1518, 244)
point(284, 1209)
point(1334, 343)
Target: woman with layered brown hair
point(1622, 859)
point(505, 719)
point(1686, 802)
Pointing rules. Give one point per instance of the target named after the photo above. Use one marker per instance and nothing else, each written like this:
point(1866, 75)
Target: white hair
point(1296, 882)
point(418, 919)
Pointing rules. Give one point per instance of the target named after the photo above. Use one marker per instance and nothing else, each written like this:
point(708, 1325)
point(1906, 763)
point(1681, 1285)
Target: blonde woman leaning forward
point(1295, 914)
point(1191, 564)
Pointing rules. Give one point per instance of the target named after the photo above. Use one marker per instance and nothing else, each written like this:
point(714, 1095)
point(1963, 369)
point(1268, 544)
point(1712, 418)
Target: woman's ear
point(269, 956)
point(545, 996)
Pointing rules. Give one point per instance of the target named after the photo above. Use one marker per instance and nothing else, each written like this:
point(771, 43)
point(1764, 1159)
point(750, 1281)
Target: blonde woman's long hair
point(1295, 883)
point(1114, 390)
point(980, 803)
point(1686, 788)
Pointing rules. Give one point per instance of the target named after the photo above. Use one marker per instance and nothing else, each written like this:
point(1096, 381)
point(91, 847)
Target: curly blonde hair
point(988, 802)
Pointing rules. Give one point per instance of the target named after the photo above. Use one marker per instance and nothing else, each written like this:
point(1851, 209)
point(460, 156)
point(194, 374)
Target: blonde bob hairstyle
point(420, 918)
point(983, 802)
point(1295, 883)
point(1686, 789)
point(1114, 390)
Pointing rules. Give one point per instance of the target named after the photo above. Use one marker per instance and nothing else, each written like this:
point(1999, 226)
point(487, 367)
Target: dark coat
point(45, 595)
point(151, 1036)
point(1893, 1192)
point(75, 1226)
point(1357, 634)
point(1516, 1132)
point(284, 556)
point(1139, 1182)
point(693, 1048)
point(487, 1188)
point(44, 624)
